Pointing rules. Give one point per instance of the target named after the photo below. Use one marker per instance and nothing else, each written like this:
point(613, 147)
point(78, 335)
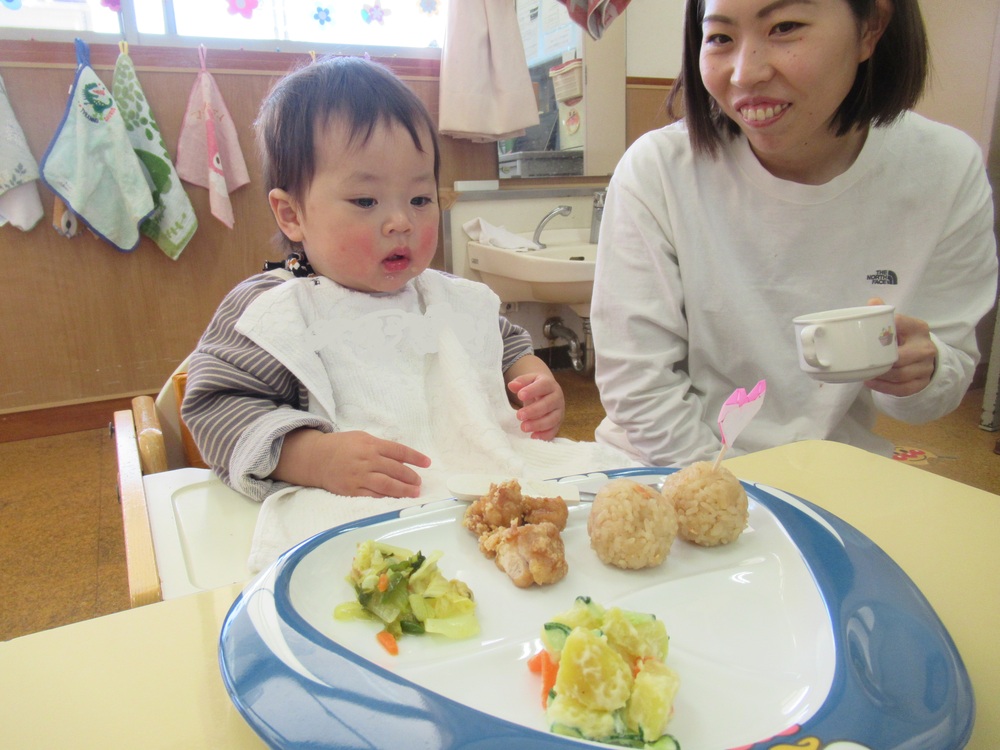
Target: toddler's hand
point(543, 405)
point(351, 463)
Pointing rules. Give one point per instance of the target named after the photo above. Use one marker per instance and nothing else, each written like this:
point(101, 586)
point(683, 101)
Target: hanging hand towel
point(20, 203)
point(486, 91)
point(90, 163)
point(173, 221)
point(595, 15)
point(208, 153)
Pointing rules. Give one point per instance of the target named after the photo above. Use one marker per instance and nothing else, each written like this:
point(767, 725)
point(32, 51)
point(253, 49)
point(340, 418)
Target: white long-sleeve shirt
point(703, 263)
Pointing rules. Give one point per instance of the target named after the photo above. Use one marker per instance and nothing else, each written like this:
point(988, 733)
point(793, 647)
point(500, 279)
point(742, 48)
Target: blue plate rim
point(856, 707)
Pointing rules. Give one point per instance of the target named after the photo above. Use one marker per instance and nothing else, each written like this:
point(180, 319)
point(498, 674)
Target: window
point(287, 25)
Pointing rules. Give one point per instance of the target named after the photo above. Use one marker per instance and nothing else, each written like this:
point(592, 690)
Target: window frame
point(130, 34)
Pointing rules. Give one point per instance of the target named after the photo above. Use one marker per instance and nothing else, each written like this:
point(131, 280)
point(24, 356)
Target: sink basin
point(562, 272)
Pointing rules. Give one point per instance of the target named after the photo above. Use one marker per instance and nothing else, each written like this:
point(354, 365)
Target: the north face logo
point(883, 277)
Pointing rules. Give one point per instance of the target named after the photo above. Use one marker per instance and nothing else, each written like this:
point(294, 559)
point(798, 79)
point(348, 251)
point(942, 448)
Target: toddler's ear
point(286, 213)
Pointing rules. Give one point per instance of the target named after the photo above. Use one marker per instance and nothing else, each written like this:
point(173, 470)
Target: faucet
point(597, 215)
point(557, 211)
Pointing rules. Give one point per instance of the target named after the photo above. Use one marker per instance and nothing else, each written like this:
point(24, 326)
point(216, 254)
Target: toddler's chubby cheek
point(428, 238)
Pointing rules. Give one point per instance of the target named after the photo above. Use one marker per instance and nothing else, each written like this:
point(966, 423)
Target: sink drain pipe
point(579, 352)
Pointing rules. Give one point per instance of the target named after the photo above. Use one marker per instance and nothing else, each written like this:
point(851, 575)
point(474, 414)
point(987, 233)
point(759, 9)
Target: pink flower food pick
point(737, 412)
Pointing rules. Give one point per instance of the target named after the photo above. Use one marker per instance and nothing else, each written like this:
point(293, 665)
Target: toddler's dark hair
point(364, 93)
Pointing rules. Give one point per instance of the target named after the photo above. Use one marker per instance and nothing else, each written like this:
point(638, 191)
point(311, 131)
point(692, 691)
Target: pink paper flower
point(244, 7)
point(112, 5)
point(376, 12)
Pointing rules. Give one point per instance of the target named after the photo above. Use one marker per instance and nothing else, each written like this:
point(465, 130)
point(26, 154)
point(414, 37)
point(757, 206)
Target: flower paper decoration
point(243, 7)
point(322, 15)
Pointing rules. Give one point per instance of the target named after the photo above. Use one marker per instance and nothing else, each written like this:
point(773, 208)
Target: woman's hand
point(916, 362)
point(351, 463)
point(543, 405)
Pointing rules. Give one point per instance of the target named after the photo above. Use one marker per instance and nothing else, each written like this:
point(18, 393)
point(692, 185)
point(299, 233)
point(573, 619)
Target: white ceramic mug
point(847, 345)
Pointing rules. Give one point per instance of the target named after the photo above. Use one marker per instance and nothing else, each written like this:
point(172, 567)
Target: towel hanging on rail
point(90, 164)
point(208, 151)
point(485, 93)
point(173, 221)
point(20, 203)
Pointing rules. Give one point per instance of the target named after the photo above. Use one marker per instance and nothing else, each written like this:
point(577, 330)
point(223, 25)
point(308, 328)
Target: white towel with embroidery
point(420, 367)
point(208, 151)
point(173, 221)
point(20, 203)
point(90, 164)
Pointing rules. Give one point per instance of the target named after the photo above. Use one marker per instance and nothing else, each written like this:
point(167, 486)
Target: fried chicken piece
point(505, 505)
point(530, 554)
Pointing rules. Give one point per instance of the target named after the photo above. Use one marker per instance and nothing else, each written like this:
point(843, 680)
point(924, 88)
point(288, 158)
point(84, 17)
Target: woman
point(798, 181)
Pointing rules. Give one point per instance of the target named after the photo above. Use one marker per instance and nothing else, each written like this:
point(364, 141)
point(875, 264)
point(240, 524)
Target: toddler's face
point(369, 220)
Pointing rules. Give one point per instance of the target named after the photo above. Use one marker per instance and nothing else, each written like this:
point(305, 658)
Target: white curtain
point(486, 91)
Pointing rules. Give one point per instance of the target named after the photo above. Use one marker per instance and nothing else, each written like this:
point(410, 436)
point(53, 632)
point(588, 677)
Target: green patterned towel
point(173, 221)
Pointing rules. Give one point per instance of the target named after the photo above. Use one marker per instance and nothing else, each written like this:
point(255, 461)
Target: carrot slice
point(535, 662)
point(383, 582)
point(388, 641)
point(549, 670)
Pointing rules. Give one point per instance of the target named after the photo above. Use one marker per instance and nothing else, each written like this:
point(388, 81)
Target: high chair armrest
point(143, 579)
point(149, 435)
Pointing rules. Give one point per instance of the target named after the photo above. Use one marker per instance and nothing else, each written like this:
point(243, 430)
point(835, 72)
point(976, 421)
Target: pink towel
point(486, 92)
point(208, 151)
point(595, 15)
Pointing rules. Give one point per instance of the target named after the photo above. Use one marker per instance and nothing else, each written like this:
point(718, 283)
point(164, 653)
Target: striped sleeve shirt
point(241, 401)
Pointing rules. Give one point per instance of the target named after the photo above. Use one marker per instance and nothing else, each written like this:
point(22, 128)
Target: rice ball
point(711, 504)
point(631, 525)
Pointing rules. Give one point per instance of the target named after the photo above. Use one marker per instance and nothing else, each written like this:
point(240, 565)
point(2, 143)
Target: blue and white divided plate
point(801, 634)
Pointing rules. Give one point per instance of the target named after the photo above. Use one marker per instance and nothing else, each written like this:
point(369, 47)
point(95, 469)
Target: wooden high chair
point(185, 531)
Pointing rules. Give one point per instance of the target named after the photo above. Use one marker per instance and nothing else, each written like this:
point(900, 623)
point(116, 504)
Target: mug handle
point(808, 337)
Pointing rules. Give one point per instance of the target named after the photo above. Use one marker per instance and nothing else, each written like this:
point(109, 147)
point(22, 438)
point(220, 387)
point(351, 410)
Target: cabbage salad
point(407, 593)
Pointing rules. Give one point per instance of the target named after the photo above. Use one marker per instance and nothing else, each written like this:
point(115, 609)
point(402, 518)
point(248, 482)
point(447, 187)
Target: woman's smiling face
point(780, 69)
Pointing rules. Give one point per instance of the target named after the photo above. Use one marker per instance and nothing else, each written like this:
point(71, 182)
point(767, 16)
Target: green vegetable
point(407, 593)
point(666, 742)
point(554, 637)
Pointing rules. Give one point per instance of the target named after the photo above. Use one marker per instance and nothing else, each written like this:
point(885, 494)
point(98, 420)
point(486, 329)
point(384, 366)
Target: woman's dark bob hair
point(887, 84)
point(363, 93)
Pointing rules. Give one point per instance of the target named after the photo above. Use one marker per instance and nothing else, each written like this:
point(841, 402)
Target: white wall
point(653, 33)
point(964, 56)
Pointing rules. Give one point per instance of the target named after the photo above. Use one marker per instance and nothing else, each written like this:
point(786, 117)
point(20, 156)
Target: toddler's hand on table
point(352, 463)
point(916, 361)
point(543, 405)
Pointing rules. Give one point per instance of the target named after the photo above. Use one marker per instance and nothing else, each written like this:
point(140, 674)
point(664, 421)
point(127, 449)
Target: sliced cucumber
point(566, 731)
point(554, 635)
point(665, 742)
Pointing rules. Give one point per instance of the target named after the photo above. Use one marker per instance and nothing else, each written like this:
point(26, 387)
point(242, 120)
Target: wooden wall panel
point(83, 322)
point(645, 101)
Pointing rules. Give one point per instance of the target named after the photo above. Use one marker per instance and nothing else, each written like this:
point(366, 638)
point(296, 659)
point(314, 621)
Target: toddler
point(353, 368)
